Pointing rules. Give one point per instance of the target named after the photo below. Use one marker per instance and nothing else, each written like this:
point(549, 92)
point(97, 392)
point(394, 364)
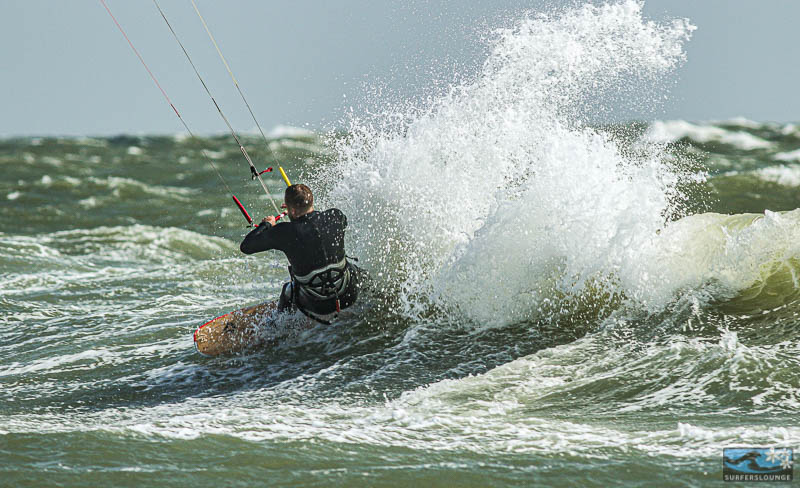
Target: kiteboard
point(236, 331)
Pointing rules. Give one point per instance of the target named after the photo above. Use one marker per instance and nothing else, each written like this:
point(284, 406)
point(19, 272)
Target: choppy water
point(555, 303)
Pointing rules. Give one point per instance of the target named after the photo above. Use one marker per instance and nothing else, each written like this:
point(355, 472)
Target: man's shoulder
point(333, 216)
point(334, 211)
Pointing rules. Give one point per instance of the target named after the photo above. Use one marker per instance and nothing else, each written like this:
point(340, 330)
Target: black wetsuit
point(310, 242)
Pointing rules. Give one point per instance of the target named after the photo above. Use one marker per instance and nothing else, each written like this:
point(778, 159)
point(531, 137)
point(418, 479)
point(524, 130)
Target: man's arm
point(266, 236)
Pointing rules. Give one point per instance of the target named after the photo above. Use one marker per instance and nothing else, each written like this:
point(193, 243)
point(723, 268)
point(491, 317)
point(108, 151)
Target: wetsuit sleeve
point(266, 237)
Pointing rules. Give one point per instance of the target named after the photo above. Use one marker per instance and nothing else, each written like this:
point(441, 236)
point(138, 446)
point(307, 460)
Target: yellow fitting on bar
point(285, 178)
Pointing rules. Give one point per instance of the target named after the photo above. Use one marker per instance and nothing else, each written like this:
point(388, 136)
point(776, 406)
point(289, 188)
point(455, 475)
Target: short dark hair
point(298, 197)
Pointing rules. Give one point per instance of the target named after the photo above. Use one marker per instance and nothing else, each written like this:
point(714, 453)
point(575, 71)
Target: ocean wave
point(118, 185)
point(126, 242)
point(298, 144)
point(787, 156)
point(675, 130)
point(782, 175)
point(287, 131)
point(741, 122)
point(509, 196)
point(594, 376)
point(733, 253)
point(518, 407)
point(277, 132)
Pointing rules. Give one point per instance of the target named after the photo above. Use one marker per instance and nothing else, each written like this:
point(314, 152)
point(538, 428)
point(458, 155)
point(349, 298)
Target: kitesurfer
point(323, 281)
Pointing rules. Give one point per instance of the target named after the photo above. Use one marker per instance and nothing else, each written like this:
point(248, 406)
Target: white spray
point(497, 197)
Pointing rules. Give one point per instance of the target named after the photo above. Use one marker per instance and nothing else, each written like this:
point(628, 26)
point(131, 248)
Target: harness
point(326, 282)
point(321, 284)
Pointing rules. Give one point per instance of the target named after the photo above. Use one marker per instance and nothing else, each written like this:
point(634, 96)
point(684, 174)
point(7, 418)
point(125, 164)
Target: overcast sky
point(66, 70)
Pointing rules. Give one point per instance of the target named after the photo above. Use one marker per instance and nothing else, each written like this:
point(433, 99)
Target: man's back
point(309, 242)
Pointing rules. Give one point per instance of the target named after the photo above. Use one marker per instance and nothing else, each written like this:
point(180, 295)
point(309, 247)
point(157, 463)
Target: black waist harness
point(324, 290)
point(325, 283)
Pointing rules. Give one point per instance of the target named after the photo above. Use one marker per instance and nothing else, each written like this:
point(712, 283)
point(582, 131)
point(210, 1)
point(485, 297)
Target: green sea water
point(114, 249)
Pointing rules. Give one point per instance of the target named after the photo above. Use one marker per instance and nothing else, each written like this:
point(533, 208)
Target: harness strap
point(325, 283)
point(308, 277)
point(312, 316)
point(296, 302)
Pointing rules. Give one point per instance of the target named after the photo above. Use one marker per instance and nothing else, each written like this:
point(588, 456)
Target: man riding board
point(322, 280)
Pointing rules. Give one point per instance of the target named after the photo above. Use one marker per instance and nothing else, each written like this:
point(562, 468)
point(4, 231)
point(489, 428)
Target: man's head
point(299, 200)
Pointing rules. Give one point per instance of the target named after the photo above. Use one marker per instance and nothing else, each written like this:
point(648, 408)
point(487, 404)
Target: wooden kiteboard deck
point(233, 332)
